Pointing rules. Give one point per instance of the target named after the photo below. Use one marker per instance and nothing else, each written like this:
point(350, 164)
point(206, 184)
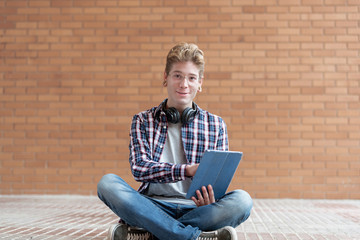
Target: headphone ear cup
point(172, 115)
point(188, 115)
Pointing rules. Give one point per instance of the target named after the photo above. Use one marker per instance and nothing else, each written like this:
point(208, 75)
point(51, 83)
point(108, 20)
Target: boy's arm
point(144, 168)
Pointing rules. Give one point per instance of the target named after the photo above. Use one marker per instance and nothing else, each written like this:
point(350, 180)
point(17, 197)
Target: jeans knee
point(244, 198)
point(105, 182)
point(243, 202)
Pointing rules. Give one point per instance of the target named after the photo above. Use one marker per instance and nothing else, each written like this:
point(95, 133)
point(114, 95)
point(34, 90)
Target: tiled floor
point(78, 217)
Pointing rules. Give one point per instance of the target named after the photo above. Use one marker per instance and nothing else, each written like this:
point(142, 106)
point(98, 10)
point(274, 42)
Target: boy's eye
point(177, 76)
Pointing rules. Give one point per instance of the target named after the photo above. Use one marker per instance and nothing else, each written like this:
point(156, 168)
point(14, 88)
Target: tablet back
point(216, 168)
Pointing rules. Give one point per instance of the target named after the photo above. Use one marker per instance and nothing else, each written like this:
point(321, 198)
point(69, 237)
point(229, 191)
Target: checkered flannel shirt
point(147, 140)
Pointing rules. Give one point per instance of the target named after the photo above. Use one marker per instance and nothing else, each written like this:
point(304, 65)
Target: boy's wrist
point(190, 170)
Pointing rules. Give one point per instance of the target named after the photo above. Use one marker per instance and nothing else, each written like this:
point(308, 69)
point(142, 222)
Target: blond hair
point(185, 52)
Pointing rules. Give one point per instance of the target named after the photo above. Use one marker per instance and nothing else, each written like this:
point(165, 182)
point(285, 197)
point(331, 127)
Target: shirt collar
point(159, 110)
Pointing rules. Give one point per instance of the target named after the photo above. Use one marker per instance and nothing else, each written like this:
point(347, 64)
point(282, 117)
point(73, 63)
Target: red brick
point(285, 81)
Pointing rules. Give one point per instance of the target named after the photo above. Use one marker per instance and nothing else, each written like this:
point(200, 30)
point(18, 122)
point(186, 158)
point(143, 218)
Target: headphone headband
point(173, 115)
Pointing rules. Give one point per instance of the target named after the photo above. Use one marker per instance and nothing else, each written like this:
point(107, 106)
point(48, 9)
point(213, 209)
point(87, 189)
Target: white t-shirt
point(173, 153)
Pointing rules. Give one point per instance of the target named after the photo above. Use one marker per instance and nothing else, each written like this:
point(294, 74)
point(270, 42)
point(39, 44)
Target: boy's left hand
point(205, 198)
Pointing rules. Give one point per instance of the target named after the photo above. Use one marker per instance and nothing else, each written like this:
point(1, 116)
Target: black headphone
point(173, 115)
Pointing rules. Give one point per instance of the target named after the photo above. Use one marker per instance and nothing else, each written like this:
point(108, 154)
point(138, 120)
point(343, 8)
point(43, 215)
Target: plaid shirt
point(147, 140)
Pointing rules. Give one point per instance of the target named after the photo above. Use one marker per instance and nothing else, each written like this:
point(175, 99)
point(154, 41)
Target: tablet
point(216, 168)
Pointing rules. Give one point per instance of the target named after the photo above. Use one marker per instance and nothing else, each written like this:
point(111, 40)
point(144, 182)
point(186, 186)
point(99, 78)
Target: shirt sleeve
point(223, 141)
point(143, 146)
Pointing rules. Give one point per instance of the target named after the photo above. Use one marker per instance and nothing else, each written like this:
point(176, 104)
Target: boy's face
point(182, 84)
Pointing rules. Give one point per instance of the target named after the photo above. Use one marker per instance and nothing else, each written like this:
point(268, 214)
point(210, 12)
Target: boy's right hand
point(190, 170)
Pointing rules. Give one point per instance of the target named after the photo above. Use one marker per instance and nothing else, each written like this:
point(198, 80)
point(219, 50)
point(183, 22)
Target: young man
point(166, 146)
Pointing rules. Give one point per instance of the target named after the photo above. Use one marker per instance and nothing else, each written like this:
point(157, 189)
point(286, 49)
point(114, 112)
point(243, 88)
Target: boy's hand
point(205, 198)
point(190, 170)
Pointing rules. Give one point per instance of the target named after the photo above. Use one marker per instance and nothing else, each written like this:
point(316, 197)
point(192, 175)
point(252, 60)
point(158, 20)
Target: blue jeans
point(168, 220)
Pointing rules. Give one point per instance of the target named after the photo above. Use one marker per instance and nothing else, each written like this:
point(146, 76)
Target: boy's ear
point(165, 80)
point(200, 86)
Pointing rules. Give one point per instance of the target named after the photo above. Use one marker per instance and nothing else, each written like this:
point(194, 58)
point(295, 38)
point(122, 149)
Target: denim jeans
point(168, 220)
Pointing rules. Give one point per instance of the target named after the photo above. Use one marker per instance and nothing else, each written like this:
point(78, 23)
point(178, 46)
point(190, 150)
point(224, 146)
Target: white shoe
point(125, 232)
point(225, 233)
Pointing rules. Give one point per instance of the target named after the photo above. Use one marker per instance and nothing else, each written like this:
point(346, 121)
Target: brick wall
point(284, 74)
